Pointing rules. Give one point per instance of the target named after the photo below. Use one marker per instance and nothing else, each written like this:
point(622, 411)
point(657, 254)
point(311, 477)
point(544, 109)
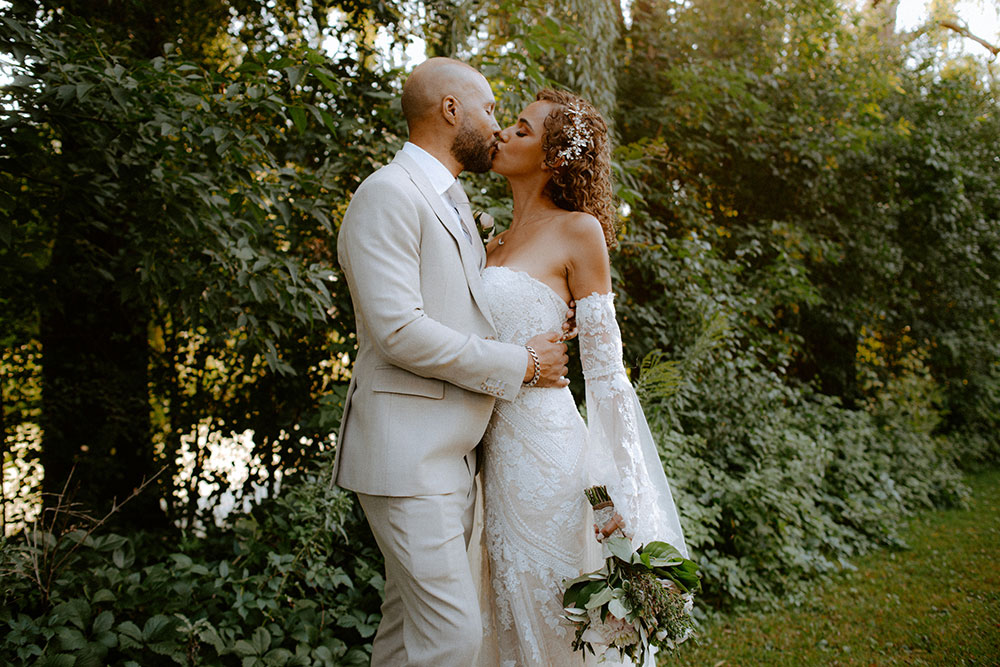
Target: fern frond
point(659, 377)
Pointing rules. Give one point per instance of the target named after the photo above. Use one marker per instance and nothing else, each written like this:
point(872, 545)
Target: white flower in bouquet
point(612, 631)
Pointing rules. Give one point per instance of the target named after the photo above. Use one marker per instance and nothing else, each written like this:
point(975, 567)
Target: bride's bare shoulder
point(587, 264)
point(583, 232)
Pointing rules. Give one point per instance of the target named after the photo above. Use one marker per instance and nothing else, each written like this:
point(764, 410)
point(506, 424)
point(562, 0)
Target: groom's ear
point(449, 109)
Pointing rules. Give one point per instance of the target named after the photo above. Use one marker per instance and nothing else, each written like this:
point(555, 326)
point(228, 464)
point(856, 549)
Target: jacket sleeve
point(379, 251)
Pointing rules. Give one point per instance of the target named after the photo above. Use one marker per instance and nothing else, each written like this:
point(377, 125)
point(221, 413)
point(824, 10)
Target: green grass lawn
point(937, 603)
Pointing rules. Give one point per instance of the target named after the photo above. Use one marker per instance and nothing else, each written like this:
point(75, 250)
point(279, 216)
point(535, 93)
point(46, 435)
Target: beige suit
point(421, 394)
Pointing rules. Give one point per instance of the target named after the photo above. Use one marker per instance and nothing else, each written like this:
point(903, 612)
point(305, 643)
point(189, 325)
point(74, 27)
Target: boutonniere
point(485, 223)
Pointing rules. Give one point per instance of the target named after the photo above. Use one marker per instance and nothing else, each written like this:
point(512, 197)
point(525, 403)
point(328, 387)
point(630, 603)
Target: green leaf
point(75, 611)
point(298, 115)
point(244, 649)
point(325, 655)
point(183, 561)
point(102, 595)
point(210, 636)
point(315, 57)
point(617, 608)
point(578, 594)
point(71, 639)
point(661, 554)
point(83, 89)
point(129, 635)
point(261, 640)
point(156, 627)
point(600, 598)
point(106, 639)
point(294, 75)
point(327, 81)
point(278, 657)
point(330, 122)
point(103, 622)
point(620, 547)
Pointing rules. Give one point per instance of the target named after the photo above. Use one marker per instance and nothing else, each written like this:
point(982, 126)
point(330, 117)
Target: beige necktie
point(464, 208)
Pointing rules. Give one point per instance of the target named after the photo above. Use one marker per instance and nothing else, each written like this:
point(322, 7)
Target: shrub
point(777, 484)
point(295, 582)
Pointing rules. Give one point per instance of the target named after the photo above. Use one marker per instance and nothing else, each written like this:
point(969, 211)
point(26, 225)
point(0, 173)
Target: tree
point(152, 184)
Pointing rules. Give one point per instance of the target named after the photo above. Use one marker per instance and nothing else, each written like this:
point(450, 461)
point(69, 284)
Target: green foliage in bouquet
point(637, 600)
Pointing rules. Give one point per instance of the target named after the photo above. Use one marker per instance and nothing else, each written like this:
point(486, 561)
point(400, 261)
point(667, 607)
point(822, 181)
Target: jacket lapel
point(473, 258)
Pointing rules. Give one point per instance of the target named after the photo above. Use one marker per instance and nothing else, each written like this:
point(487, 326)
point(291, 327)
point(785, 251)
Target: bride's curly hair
point(578, 151)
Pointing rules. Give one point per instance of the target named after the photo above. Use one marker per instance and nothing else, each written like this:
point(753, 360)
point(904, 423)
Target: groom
point(428, 368)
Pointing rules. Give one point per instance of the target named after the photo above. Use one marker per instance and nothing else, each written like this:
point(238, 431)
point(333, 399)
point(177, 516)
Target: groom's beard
point(473, 151)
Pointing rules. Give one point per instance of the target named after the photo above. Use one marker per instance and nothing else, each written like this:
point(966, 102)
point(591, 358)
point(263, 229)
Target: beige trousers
point(430, 616)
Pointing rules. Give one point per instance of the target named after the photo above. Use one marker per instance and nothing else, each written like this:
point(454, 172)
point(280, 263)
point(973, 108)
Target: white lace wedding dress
point(539, 456)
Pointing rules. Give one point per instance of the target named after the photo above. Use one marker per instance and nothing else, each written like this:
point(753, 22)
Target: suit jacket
point(426, 372)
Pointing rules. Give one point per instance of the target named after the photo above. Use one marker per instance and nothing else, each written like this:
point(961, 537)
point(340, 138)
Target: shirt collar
point(438, 175)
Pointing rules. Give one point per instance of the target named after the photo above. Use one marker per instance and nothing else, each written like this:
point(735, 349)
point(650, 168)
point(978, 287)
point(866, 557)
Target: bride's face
point(520, 149)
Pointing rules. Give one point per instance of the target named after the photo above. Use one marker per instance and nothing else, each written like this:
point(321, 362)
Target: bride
point(539, 453)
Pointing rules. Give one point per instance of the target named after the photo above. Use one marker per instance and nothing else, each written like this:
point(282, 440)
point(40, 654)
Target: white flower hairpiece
point(579, 135)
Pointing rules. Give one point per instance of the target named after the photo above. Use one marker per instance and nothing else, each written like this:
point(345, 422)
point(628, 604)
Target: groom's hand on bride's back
point(552, 358)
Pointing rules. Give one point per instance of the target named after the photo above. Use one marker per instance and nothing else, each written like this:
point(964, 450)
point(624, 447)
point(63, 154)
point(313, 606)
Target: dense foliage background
point(807, 284)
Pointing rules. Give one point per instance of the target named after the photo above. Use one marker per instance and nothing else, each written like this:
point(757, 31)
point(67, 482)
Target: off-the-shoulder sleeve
point(623, 455)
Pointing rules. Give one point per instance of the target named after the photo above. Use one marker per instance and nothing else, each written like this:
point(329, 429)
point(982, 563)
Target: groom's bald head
point(449, 111)
point(431, 82)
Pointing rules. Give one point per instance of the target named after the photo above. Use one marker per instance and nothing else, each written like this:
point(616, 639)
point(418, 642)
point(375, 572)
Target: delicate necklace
point(499, 236)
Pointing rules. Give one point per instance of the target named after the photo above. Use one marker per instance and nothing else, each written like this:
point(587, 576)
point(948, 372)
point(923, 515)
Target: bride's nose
point(504, 135)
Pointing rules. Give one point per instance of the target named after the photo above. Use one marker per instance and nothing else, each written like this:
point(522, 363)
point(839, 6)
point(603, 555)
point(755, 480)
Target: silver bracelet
point(538, 367)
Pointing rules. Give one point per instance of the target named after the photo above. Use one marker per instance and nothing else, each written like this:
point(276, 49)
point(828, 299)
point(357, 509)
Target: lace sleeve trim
point(600, 337)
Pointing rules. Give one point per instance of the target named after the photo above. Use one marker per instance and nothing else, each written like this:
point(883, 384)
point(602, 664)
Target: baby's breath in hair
point(578, 152)
point(577, 133)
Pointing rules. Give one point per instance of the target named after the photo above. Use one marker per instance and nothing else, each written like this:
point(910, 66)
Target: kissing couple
point(460, 373)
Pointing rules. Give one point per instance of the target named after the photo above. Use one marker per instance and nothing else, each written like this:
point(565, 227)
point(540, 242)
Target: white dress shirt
point(438, 175)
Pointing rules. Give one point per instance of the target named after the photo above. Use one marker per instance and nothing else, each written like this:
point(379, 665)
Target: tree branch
point(964, 32)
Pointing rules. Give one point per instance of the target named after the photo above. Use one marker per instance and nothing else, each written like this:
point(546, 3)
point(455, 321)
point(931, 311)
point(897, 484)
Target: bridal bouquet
point(637, 600)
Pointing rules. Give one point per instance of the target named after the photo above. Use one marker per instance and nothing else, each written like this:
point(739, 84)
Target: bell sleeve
point(622, 453)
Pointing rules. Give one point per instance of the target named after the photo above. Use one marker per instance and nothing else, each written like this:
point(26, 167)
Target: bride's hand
point(614, 523)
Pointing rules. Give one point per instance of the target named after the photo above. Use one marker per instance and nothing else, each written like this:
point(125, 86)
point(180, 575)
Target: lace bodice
point(521, 305)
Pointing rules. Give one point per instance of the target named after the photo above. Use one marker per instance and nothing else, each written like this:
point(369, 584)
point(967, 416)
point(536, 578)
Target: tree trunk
point(95, 405)
point(884, 16)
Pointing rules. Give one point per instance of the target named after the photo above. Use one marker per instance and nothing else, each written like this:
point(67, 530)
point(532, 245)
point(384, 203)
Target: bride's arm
point(622, 454)
point(588, 268)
